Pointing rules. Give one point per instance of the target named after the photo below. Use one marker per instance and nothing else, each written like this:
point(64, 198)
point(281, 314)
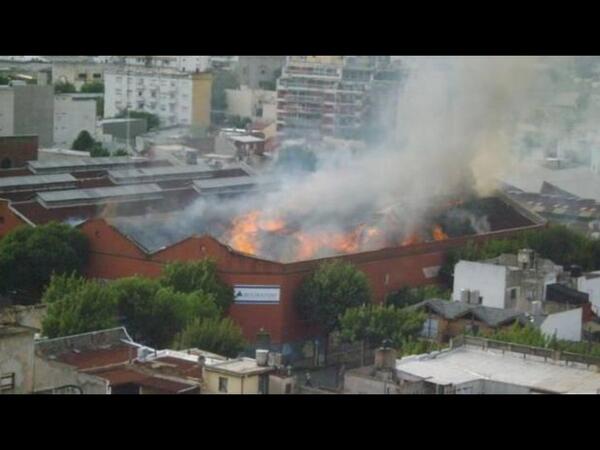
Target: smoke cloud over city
point(454, 136)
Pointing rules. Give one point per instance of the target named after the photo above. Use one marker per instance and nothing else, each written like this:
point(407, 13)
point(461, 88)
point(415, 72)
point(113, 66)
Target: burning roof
point(287, 239)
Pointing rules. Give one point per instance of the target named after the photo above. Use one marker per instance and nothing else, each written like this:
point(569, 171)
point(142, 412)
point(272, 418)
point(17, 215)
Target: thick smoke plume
point(455, 127)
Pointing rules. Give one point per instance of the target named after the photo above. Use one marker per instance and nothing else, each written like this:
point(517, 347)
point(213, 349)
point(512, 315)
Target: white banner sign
point(256, 294)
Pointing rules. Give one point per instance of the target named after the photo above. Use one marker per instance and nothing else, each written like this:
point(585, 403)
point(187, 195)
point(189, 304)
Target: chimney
point(262, 357)
point(385, 358)
point(464, 295)
point(201, 363)
point(525, 258)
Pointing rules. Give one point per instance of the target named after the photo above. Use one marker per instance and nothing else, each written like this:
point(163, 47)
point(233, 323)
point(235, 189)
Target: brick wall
point(18, 150)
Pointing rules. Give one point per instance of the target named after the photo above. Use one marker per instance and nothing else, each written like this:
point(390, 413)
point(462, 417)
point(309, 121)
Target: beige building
point(237, 376)
point(252, 103)
point(77, 73)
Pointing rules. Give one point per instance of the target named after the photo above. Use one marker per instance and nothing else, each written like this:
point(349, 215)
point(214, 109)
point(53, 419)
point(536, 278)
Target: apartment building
point(73, 113)
point(260, 72)
point(77, 71)
point(176, 97)
point(326, 95)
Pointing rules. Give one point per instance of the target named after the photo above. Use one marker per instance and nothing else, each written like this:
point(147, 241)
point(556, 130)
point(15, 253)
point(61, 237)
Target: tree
point(98, 151)
point(95, 87)
point(372, 324)
point(100, 107)
point(85, 306)
point(222, 81)
point(30, 255)
point(152, 120)
point(121, 152)
point(324, 295)
point(155, 314)
point(4, 80)
point(64, 87)
point(84, 142)
point(198, 276)
point(221, 336)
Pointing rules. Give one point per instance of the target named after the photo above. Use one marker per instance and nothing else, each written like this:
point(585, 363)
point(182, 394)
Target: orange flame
point(272, 225)
point(438, 233)
point(243, 232)
point(412, 238)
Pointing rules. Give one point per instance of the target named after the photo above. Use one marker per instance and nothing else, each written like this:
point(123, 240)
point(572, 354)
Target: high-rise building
point(326, 95)
point(260, 72)
point(175, 96)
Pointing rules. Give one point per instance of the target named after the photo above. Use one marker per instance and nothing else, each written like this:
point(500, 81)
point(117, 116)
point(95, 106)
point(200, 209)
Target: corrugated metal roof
point(155, 174)
point(31, 181)
point(79, 164)
point(72, 197)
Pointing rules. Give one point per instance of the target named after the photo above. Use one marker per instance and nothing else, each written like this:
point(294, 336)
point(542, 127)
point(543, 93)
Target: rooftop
point(466, 364)
point(529, 176)
point(86, 164)
point(189, 172)
point(454, 310)
point(239, 366)
point(35, 181)
point(79, 197)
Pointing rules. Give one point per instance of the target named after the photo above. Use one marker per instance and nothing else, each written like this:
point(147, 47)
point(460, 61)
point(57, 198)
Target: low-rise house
point(239, 376)
point(447, 319)
point(482, 366)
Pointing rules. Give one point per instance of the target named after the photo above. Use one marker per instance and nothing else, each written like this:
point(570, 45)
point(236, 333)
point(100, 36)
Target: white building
point(73, 113)
point(176, 97)
point(476, 368)
point(508, 282)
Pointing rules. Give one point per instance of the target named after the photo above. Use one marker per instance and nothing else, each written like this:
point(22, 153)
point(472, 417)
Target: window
point(223, 384)
point(6, 163)
point(513, 294)
point(82, 76)
point(97, 76)
point(288, 388)
point(7, 382)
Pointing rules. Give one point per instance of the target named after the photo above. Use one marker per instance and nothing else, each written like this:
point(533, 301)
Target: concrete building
point(121, 133)
point(260, 72)
point(73, 114)
point(177, 98)
point(77, 71)
point(27, 110)
point(480, 366)
point(528, 284)
point(16, 359)
point(506, 282)
point(238, 143)
point(252, 103)
point(238, 376)
point(325, 95)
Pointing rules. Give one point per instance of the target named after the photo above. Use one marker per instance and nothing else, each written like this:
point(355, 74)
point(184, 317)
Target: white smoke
point(456, 125)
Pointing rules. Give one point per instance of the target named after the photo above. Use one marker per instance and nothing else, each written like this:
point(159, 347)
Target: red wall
point(19, 149)
point(114, 255)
